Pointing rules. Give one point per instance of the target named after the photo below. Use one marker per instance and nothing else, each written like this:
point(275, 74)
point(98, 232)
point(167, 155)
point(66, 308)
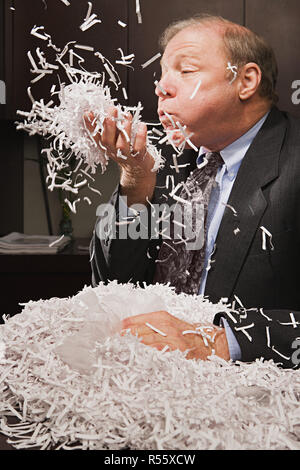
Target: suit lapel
point(246, 206)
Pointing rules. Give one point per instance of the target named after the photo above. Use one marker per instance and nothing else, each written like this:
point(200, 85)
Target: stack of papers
point(18, 243)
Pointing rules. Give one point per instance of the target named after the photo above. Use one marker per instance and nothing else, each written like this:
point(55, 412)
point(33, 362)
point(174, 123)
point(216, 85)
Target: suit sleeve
point(266, 334)
point(115, 256)
point(119, 249)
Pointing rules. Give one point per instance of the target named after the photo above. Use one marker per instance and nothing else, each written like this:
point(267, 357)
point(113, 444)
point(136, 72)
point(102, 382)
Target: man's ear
point(249, 80)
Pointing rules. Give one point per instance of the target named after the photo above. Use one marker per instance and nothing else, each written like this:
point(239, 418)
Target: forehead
point(197, 41)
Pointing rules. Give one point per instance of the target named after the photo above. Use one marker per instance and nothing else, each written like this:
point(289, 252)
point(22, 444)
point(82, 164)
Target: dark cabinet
point(11, 178)
point(62, 24)
point(40, 276)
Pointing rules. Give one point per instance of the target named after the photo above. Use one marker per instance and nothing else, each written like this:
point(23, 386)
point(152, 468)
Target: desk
point(34, 277)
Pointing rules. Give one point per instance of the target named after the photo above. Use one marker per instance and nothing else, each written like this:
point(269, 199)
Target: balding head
point(241, 46)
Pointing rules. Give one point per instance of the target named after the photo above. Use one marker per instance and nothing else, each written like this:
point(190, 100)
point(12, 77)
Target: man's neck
point(247, 120)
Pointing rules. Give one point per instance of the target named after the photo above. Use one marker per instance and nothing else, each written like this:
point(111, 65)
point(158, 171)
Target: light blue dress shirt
point(232, 156)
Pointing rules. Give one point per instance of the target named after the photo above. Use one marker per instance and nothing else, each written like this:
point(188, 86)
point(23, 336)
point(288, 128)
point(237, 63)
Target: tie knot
point(214, 161)
point(205, 172)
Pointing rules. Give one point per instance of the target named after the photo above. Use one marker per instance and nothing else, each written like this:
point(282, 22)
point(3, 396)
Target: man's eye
point(187, 71)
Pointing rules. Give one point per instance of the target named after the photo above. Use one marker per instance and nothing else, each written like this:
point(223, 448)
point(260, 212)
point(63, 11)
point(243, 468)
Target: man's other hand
point(161, 329)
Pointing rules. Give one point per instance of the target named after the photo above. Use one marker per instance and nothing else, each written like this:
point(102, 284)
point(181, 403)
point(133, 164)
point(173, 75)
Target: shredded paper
point(61, 119)
point(69, 380)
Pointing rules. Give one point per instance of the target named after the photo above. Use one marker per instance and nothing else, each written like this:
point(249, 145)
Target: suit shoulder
point(293, 127)
point(291, 142)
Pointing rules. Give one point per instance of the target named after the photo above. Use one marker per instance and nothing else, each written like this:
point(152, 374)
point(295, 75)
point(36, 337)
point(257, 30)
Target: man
point(252, 227)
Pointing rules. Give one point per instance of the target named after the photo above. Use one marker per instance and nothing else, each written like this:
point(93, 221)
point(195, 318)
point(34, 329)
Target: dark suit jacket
point(262, 271)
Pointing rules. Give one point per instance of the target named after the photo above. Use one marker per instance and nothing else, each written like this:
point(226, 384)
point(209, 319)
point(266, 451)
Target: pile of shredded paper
point(69, 380)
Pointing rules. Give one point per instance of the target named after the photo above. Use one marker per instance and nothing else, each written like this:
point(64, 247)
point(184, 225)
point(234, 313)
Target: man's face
point(195, 58)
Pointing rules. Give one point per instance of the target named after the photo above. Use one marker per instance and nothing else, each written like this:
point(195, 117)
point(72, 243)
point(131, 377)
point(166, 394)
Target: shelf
point(34, 277)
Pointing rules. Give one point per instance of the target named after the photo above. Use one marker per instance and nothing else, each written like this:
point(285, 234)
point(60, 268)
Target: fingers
point(117, 139)
point(90, 125)
point(159, 329)
point(123, 143)
point(139, 147)
point(150, 338)
point(110, 132)
point(160, 317)
point(144, 326)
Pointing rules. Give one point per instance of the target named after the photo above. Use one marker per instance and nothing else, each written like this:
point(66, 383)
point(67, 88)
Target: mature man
point(218, 80)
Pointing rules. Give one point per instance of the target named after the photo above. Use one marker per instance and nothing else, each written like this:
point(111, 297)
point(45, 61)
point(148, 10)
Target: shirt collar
point(234, 153)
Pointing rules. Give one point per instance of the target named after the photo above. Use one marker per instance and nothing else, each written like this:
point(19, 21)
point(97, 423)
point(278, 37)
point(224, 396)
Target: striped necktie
point(180, 260)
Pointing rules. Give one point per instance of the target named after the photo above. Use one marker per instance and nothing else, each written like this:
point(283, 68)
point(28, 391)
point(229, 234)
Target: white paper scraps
point(175, 163)
point(157, 84)
point(156, 131)
point(186, 136)
point(121, 23)
point(202, 164)
point(155, 329)
point(112, 73)
point(72, 205)
point(264, 315)
point(150, 61)
point(195, 90)
point(138, 11)
point(238, 300)
point(265, 234)
point(231, 208)
point(90, 19)
point(44, 36)
point(85, 48)
point(125, 59)
point(243, 330)
point(35, 33)
point(2, 350)
point(62, 123)
point(280, 354)
point(293, 321)
point(56, 241)
point(124, 93)
point(87, 199)
point(233, 69)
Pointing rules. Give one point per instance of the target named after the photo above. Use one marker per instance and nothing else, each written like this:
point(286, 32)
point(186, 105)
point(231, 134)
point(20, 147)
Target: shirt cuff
point(126, 212)
point(233, 346)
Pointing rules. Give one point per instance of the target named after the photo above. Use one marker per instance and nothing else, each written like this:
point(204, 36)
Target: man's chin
point(175, 137)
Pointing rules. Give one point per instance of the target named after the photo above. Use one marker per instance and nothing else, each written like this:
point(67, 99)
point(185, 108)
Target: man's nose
point(164, 88)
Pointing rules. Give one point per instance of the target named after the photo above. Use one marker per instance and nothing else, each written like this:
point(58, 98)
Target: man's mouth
point(167, 120)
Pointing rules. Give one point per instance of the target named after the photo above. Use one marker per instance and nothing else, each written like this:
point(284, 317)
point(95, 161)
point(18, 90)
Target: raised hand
point(137, 178)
